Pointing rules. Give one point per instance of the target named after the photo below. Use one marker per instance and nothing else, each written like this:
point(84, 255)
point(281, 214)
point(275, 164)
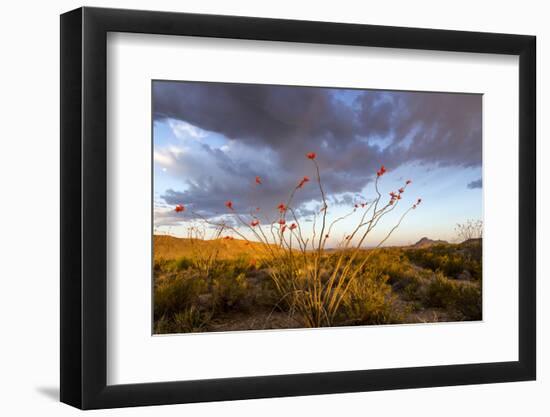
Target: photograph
point(284, 207)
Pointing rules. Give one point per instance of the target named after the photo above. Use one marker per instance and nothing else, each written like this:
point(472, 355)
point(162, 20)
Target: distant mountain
point(425, 242)
point(170, 247)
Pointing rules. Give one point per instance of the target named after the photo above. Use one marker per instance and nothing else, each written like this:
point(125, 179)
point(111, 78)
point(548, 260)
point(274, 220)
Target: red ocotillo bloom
point(229, 204)
point(302, 182)
point(293, 226)
point(408, 182)
point(281, 207)
point(254, 223)
point(311, 155)
point(258, 180)
point(179, 208)
point(401, 190)
point(283, 228)
point(381, 171)
point(282, 222)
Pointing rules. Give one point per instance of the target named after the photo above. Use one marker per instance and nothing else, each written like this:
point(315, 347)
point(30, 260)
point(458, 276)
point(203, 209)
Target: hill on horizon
point(425, 242)
point(170, 247)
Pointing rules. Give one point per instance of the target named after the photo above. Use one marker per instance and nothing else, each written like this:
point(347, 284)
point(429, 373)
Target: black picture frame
point(84, 207)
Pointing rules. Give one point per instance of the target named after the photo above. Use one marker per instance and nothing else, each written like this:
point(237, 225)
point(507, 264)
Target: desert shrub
point(190, 319)
point(463, 299)
point(171, 266)
point(440, 292)
point(393, 263)
point(452, 260)
point(183, 263)
point(162, 325)
point(159, 265)
point(370, 301)
point(412, 289)
point(403, 277)
point(468, 303)
point(230, 292)
point(173, 295)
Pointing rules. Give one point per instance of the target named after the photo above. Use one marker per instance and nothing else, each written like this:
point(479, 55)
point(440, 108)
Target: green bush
point(452, 260)
point(230, 292)
point(173, 295)
point(468, 303)
point(190, 319)
point(370, 301)
point(463, 299)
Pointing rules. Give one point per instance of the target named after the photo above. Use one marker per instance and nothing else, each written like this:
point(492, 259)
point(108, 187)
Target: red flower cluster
point(311, 155)
point(179, 208)
point(417, 203)
point(283, 228)
point(282, 222)
point(229, 204)
point(302, 182)
point(254, 223)
point(281, 207)
point(381, 171)
point(395, 196)
point(258, 180)
point(293, 226)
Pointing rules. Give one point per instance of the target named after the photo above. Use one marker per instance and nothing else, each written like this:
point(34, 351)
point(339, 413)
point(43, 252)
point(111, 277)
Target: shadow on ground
point(50, 392)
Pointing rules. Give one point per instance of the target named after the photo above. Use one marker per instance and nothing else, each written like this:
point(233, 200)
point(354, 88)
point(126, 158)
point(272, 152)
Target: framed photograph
point(259, 208)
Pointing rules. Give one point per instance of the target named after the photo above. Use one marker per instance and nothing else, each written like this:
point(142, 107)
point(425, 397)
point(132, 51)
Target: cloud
point(269, 129)
point(185, 130)
point(475, 184)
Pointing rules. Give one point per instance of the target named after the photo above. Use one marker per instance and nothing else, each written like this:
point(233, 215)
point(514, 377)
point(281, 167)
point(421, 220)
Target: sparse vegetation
point(399, 285)
point(471, 229)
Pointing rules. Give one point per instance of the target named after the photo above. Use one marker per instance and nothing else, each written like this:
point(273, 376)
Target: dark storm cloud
point(352, 133)
point(475, 184)
point(261, 114)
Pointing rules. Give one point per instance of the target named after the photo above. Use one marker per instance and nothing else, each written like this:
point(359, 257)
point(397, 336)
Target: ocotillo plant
point(310, 281)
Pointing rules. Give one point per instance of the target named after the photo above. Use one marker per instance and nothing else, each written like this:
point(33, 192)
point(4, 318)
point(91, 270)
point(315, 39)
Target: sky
point(211, 140)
